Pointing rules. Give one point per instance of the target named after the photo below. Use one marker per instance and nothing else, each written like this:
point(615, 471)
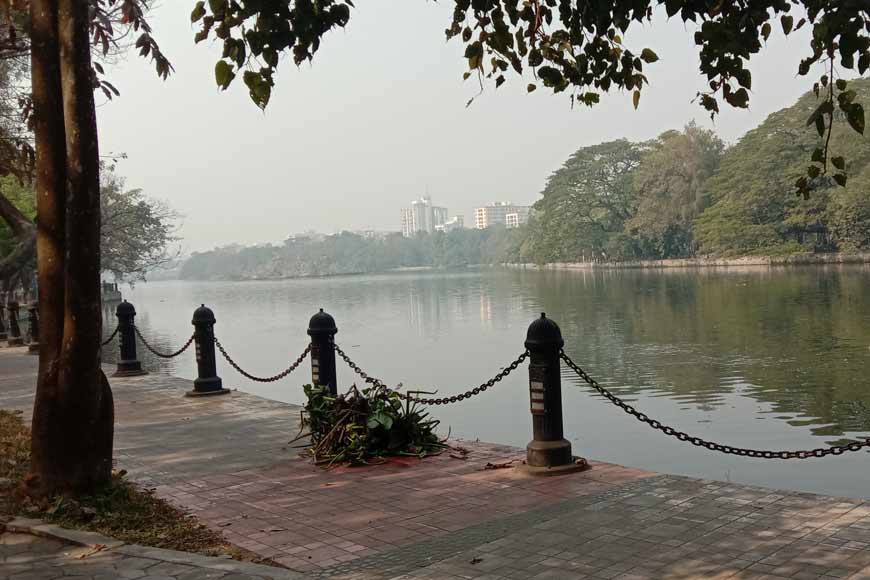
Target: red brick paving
point(306, 517)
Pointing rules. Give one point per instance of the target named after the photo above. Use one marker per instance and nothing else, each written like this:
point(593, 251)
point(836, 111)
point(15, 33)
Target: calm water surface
point(764, 358)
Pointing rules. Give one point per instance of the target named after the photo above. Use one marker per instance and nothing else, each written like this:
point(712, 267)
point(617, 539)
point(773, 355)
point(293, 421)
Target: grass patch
point(122, 510)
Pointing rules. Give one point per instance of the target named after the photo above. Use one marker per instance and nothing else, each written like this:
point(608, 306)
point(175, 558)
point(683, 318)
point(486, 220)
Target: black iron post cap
point(125, 309)
point(543, 332)
point(322, 323)
point(203, 315)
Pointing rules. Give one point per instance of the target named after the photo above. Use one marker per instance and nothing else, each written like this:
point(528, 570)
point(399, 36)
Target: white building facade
point(422, 216)
point(502, 213)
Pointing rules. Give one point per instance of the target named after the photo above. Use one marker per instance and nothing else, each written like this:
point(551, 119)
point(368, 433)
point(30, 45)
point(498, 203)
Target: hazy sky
point(376, 119)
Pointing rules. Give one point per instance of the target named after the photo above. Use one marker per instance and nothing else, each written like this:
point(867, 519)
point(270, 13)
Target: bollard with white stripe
point(549, 453)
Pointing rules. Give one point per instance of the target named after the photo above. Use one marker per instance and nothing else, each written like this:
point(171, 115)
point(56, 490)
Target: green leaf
point(380, 419)
point(840, 178)
point(838, 162)
point(636, 99)
point(223, 74)
point(820, 126)
point(744, 77)
point(551, 76)
point(818, 155)
point(863, 62)
point(765, 30)
point(787, 23)
point(813, 171)
point(648, 56)
point(855, 116)
point(218, 7)
point(841, 84)
point(198, 11)
point(531, 87)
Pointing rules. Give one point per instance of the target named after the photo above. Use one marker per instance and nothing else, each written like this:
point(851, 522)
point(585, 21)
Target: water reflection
point(774, 358)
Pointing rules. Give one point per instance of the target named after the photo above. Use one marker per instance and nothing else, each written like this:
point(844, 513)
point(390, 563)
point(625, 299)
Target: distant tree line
point(683, 194)
point(348, 253)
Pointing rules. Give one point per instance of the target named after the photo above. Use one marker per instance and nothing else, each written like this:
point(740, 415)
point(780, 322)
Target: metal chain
point(712, 446)
point(112, 336)
point(160, 354)
point(437, 401)
point(272, 379)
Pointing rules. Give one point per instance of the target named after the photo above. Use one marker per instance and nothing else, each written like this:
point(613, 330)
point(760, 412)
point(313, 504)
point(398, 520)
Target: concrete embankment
point(742, 262)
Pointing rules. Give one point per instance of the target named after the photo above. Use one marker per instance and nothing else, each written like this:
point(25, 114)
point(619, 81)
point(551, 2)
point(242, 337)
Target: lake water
point(756, 357)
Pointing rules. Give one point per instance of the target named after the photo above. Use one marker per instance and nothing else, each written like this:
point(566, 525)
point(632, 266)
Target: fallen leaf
point(504, 465)
point(96, 549)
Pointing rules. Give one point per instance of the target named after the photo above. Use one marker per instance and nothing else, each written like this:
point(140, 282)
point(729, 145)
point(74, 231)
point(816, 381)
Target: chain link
point(160, 354)
point(111, 336)
point(272, 379)
point(437, 401)
point(712, 446)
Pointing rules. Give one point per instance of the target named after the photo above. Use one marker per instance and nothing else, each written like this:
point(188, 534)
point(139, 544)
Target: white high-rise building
point(502, 213)
point(422, 216)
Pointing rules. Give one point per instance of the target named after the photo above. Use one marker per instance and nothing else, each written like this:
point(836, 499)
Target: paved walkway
point(30, 557)
point(226, 460)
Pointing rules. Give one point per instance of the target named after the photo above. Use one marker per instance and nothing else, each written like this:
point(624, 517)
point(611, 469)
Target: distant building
point(457, 222)
point(422, 216)
point(502, 213)
point(307, 236)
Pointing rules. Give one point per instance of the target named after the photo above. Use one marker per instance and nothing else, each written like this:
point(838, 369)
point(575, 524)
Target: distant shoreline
point(759, 261)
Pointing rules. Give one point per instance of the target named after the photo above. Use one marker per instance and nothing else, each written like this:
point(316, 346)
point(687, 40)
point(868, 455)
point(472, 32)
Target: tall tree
point(137, 232)
point(670, 184)
point(73, 417)
point(753, 208)
point(586, 203)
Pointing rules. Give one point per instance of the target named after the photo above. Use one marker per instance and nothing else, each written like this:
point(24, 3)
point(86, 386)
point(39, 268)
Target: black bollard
point(33, 328)
point(207, 381)
point(128, 363)
point(3, 334)
point(322, 331)
point(549, 453)
point(15, 338)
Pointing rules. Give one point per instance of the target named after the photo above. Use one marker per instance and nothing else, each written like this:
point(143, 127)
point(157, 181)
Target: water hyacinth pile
point(364, 426)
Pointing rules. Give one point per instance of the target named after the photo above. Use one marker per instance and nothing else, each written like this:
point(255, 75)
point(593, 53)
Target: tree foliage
point(137, 232)
point(348, 253)
point(753, 210)
point(136, 235)
point(586, 203)
point(670, 188)
point(581, 48)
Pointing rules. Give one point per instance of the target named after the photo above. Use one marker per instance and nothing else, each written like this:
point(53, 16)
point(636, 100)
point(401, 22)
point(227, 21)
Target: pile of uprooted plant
point(365, 426)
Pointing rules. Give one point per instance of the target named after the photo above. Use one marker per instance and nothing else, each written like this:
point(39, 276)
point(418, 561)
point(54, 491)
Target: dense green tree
point(754, 209)
point(669, 184)
point(586, 203)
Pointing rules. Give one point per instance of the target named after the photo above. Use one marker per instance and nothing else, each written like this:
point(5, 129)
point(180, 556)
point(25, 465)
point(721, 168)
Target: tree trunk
point(73, 418)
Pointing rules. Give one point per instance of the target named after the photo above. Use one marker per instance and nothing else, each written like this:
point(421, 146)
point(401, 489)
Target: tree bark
point(73, 418)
